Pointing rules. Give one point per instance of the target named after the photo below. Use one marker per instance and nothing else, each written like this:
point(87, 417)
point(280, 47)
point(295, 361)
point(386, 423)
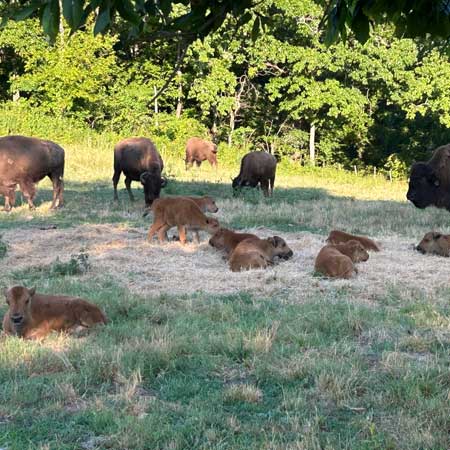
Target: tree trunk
point(232, 125)
point(312, 144)
point(156, 106)
point(180, 95)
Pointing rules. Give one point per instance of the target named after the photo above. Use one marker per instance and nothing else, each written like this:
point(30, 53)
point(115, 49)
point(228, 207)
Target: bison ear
point(163, 182)
point(437, 236)
point(272, 240)
point(32, 291)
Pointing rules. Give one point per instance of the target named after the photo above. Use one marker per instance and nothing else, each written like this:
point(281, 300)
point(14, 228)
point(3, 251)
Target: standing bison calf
point(179, 212)
point(337, 261)
point(199, 150)
point(139, 160)
point(257, 168)
point(25, 161)
point(34, 316)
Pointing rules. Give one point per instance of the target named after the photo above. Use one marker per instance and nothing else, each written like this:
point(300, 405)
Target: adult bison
point(257, 168)
point(199, 150)
point(139, 160)
point(429, 182)
point(25, 161)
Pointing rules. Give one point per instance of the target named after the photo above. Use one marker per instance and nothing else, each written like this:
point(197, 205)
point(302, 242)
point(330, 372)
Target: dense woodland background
point(270, 83)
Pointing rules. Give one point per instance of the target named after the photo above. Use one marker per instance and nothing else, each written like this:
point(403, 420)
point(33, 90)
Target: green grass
point(241, 371)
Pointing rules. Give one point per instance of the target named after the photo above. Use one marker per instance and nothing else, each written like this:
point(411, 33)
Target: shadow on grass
point(290, 209)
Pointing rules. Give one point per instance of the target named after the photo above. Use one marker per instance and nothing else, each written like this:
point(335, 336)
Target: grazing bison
point(227, 240)
point(25, 161)
point(257, 168)
point(341, 237)
point(139, 160)
point(183, 213)
point(255, 253)
point(435, 243)
point(429, 182)
point(337, 261)
point(34, 316)
point(199, 150)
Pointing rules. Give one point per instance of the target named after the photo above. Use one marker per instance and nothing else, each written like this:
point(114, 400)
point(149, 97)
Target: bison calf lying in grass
point(337, 261)
point(435, 243)
point(254, 253)
point(34, 316)
point(341, 237)
point(179, 212)
point(227, 240)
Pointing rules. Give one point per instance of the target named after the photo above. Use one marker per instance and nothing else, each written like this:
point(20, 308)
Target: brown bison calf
point(199, 150)
point(341, 237)
point(34, 316)
point(227, 240)
point(435, 243)
point(179, 212)
point(337, 261)
point(254, 253)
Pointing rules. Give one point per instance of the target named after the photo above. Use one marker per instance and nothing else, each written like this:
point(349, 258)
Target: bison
point(34, 316)
point(435, 243)
point(257, 168)
point(183, 213)
point(429, 182)
point(337, 261)
point(255, 253)
point(199, 150)
point(227, 240)
point(139, 160)
point(341, 237)
point(25, 161)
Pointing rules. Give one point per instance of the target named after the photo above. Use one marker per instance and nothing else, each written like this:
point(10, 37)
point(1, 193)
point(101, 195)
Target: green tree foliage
point(266, 80)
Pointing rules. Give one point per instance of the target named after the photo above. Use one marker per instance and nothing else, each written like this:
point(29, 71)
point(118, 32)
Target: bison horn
point(163, 182)
point(143, 176)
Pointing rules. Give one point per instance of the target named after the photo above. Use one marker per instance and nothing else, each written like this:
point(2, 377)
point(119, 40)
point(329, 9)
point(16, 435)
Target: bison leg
point(128, 186)
point(156, 226)
point(199, 163)
point(272, 182)
point(58, 188)
point(10, 199)
point(162, 233)
point(29, 192)
point(115, 180)
point(188, 163)
point(265, 187)
point(196, 237)
point(182, 233)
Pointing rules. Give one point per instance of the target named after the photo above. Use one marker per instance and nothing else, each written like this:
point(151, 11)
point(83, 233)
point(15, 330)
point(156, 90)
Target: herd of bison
point(24, 161)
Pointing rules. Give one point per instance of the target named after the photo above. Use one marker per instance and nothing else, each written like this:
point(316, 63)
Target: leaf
point(50, 19)
point(360, 26)
point(127, 12)
point(73, 12)
point(26, 12)
point(103, 18)
point(256, 28)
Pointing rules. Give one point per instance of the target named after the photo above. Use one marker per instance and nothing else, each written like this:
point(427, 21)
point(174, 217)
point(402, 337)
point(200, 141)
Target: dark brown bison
point(429, 182)
point(139, 160)
point(435, 243)
point(199, 150)
point(34, 316)
point(25, 161)
point(257, 168)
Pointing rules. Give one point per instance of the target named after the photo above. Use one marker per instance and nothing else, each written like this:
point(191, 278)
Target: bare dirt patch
point(150, 268)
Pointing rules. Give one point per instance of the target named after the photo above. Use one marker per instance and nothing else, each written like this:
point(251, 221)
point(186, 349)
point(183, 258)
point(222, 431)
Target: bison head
point(152, 182)
point(218, 239)
point(19, 300)
point(282, 250)
point(356, 251)
point(424, 186)
point(434, 243)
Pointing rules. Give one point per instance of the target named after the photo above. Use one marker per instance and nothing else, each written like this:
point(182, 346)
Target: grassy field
point(196, 357)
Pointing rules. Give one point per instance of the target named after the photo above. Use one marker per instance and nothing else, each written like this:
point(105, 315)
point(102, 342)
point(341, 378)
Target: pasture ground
point(196, 357)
